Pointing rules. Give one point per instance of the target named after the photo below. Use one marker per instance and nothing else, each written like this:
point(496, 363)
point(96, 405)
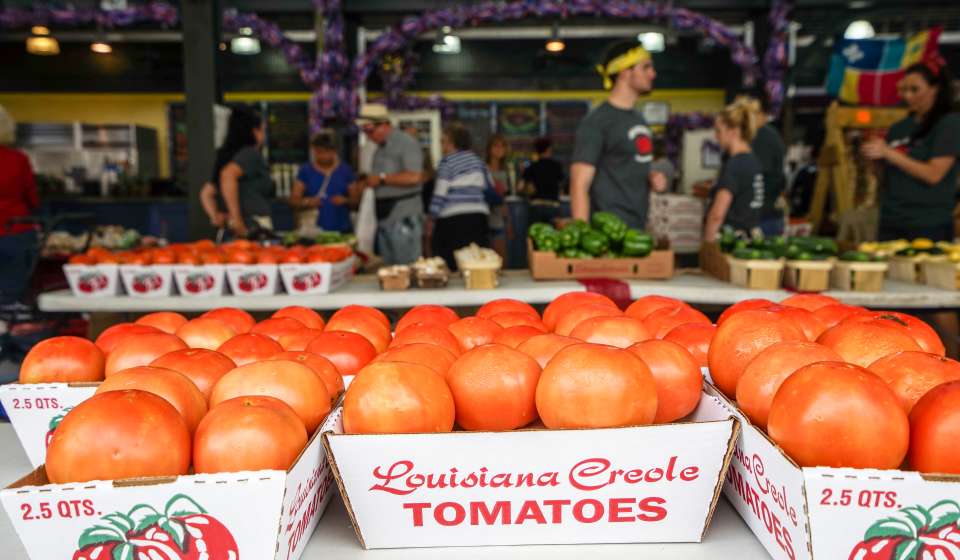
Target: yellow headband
point(623, 62)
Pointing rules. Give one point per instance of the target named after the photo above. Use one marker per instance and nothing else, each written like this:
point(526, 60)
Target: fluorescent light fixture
point(101, 47)
point(246, 31)
point(448, 43)
point(245, 45)
point(43, 46)
point(652, 41)
point(40, 30)
point(859, 29)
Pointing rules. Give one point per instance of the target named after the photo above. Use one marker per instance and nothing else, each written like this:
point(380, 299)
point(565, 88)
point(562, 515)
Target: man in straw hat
point(614, 146)
point(396, 173)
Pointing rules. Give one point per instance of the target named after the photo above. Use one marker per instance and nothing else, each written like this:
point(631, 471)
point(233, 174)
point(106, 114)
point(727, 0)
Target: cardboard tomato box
point(147, 281)
point(98, 280)
point(35, 411)
point(200, 281)
point(545, 265)
point(252, 279)
point(316, 278)
point(536, 486)
point(226, 516)
point(803, 513)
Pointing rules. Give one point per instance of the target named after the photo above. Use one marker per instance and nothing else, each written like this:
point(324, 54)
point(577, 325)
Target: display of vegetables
point(607, 236)
point(778, 246)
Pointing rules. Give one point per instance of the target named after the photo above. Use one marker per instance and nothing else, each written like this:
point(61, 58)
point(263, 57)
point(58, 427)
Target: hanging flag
point(867, 71)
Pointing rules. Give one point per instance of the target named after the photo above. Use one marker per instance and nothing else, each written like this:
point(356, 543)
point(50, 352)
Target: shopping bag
point(366, 228)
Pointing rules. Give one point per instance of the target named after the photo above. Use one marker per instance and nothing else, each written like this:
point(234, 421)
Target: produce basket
point(480, 267)
point(942, 274)
point(807, 276)
point(756, 274)
point(858, 276)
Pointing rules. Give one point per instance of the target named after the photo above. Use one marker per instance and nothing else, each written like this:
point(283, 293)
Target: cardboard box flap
point(631, 484)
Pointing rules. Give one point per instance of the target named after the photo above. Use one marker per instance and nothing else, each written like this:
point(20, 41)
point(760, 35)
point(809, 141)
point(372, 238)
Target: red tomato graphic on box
point(913, 533)
point(183, 531)
point(54, 424)
point(307, 280)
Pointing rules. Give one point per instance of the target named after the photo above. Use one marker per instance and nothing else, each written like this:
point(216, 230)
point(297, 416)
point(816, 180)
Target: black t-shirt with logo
point(545, 174)
point(907, 201)
point(742, 175)
point(770, 150)
point(619, 144)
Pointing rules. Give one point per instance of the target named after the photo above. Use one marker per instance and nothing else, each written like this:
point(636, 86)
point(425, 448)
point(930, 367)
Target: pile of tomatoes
point(839, 385)
point(206, 252)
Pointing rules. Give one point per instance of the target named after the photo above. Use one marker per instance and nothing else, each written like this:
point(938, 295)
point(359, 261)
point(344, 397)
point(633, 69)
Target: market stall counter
point(696, 289)
point(334, 538)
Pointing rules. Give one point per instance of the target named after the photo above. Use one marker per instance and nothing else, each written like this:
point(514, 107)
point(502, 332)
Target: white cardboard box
point(200, 281)
point(228, 516)
point(98, 280)
point(147, 281)
point(617, 485)
point(825, 513)
point(315, 278)
point(35, 410)
point(252, 279)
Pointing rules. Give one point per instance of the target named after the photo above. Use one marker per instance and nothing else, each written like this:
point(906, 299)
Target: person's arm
point(658, 181)
point(930, 172)
point(581, 177)
point(297, 200)
point(230, 189)
point(208, 200)
point(411, 176)
point(30, 197)
point(717, 214)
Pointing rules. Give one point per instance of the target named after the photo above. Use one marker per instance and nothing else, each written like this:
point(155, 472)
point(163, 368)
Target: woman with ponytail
point(738, 192)
point(920, 158)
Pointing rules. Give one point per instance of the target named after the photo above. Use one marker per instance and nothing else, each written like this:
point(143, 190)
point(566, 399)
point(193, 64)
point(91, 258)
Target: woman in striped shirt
point(458, 210)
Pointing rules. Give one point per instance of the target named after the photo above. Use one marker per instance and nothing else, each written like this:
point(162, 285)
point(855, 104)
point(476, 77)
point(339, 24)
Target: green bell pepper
point(570, 253)
point(594, 243)
point(538, 228)
point(637, 244)
point(610, 225)
point(569, 238)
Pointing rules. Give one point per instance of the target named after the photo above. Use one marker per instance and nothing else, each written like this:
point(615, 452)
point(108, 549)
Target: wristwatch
point(383, 178)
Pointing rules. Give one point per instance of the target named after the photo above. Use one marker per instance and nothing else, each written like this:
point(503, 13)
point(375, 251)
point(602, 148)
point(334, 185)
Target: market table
point(693, 288)
point(334, 538)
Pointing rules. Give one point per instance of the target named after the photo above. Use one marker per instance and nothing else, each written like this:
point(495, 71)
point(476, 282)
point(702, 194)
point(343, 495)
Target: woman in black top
point(245, 182)
point(738, 192)
point(542, 180)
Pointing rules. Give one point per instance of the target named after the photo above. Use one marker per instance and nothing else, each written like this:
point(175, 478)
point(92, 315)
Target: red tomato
point(515, 336)
point(831, 315)
point(569, 320)
point(695, 337)
point(310, 318)
point(493, 388)
point(811, 325)
point(291, 382)
point(621, 332)
point(247, 348)
point(474, 331)
point(205, 332)
point(744, 305)
point(297, 341)
point(321, 366)
point(765, 373)
point(376, 313)
point(203, 367)
point(922, 333)
point(437, 358)
point(166, 321)
point(430, 334)
point(663, 320)
point(433, 314)
point(364, 325)
point(517, 319)
point(810, 302)
point(544, 347)
point(348, 351)
point(676, 375)
point(112, 336)
point(910, 375)
point(425, 403)
point(559, 306)
point(935, 429)
point(249, 433)
point(141, 349)
point(117, 435)
point(498, 306)
point(240, 320)
point(644, 306)
point(833, 414)
point(863, 343)
point(62, 359)
point(275, 328)
point(174, 387)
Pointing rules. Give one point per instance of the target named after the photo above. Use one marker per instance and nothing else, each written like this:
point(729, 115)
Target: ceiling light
point(555, 44)
point(859, 29)
point(447, 43)
point(244, 45)
point(101, 47)
point(40, 30)
point(246, 31)
point(43, 46)
point(652, 41)
point(223, 46)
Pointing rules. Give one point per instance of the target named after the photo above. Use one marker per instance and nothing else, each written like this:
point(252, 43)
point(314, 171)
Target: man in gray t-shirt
point(614, 146)
point(396, 173)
